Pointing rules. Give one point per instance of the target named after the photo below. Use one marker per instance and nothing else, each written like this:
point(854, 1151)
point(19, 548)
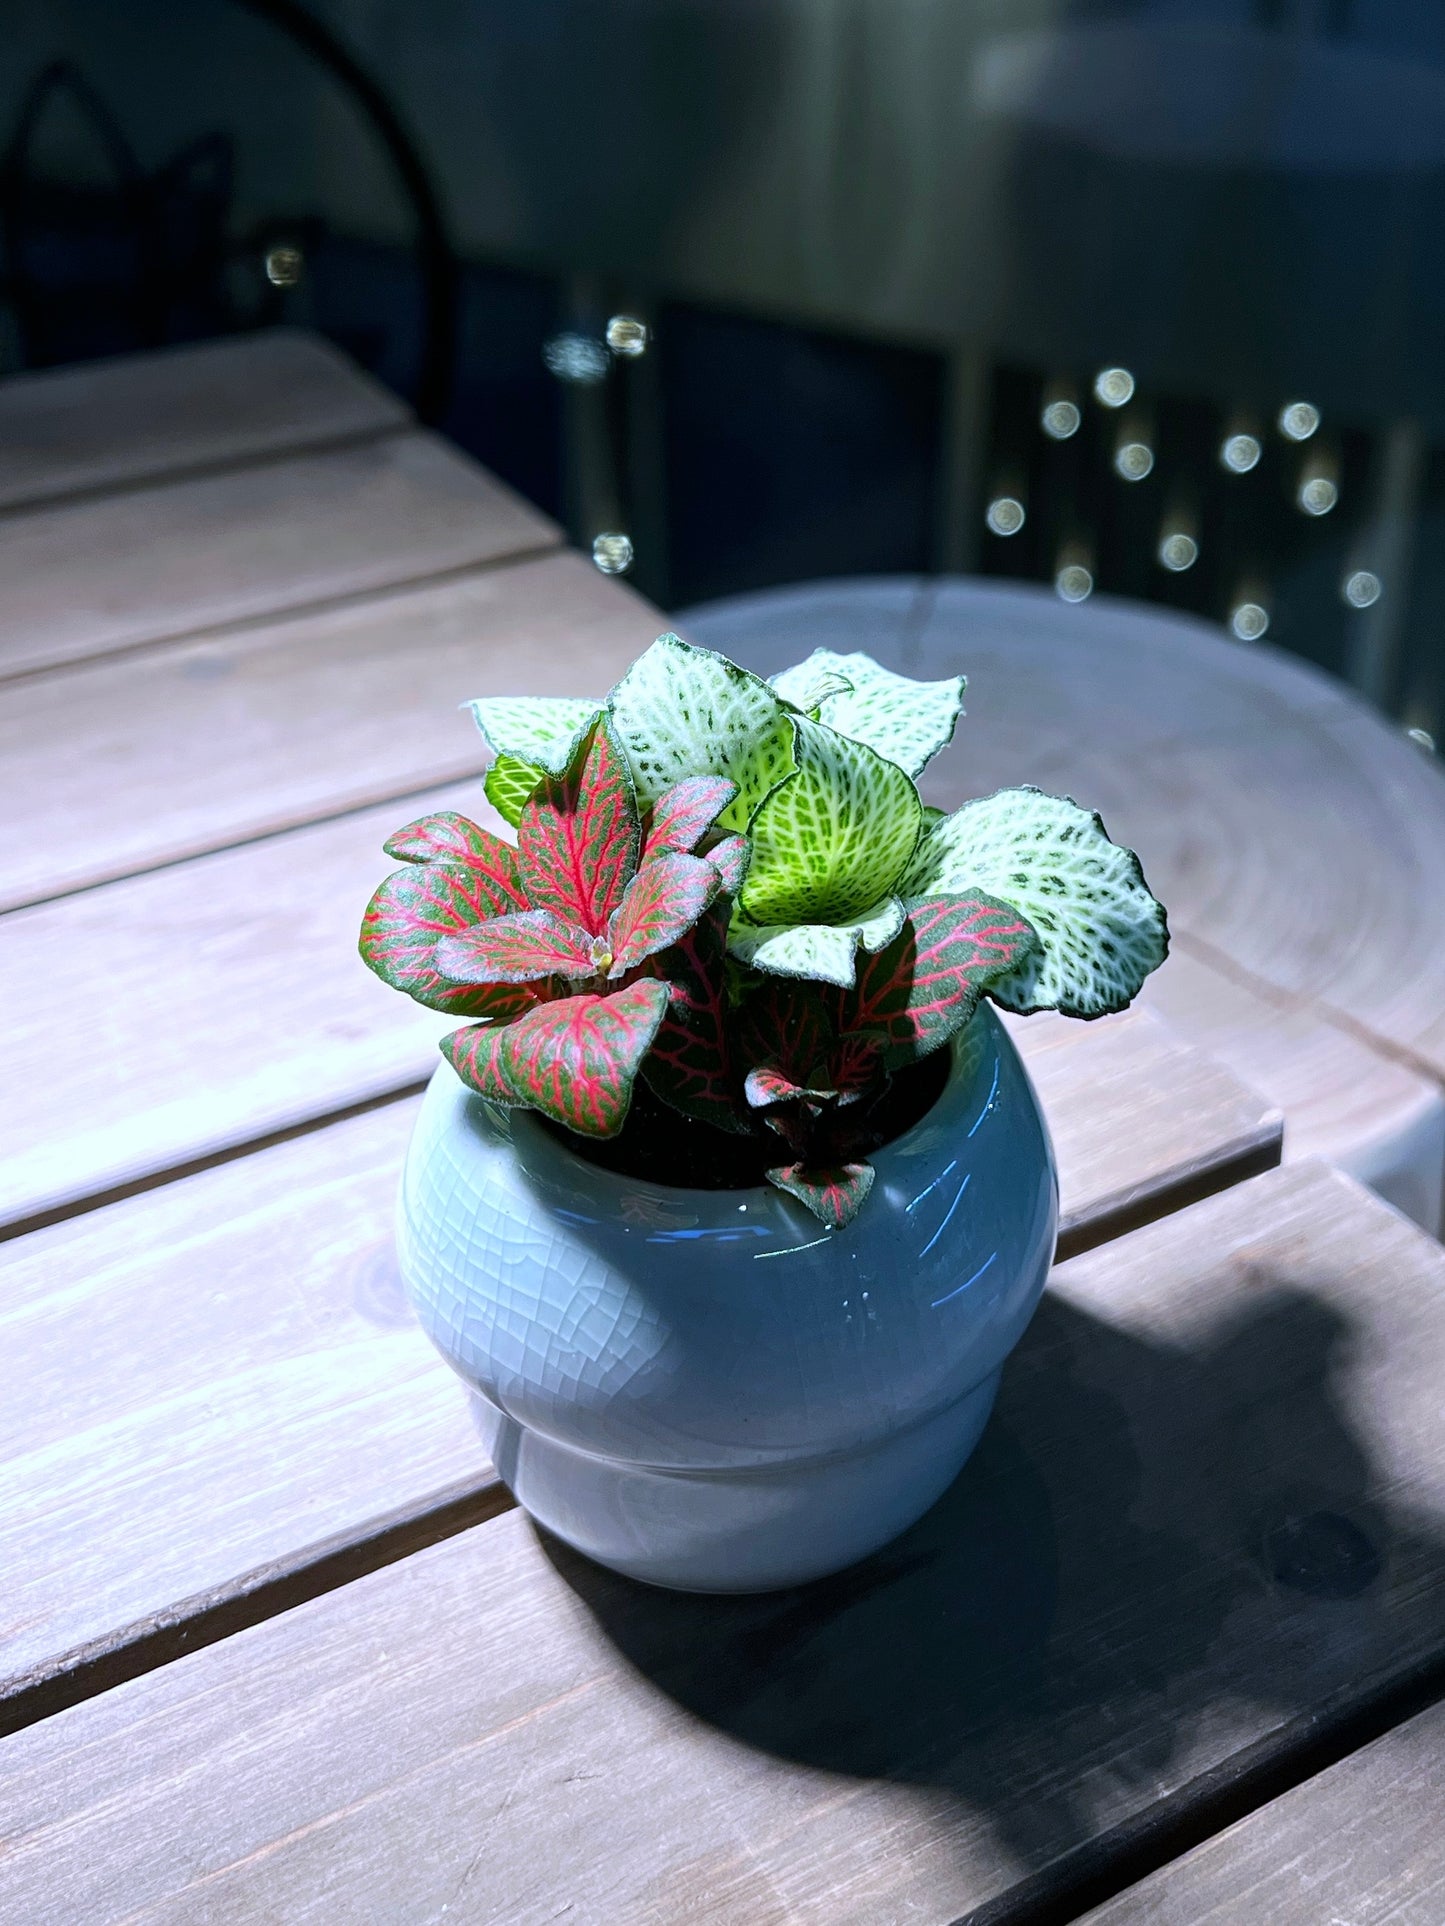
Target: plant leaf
point(906, 721)
point(414, 911)
point(543, 730)
point(681, 711)
point(925, 985)
point(690, 1063)
point(833, 838)
point(658, 908)
point(681, 817)
point(578, 836)
point(729, 856)
point(784, 1037)
point(449, 838)
point(516, 949)
point(574, 1060)
point(823, 951)
point(834, 1193)
point(509, 784)
point(1100, 930)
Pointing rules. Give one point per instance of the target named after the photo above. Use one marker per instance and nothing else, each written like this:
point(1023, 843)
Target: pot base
point(754, 1530)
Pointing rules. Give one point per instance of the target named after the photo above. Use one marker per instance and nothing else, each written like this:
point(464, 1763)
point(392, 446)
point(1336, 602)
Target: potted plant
point(731, 1194)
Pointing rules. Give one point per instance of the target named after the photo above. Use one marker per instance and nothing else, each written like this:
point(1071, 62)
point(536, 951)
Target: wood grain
point(115, 766)
point(1141, 1124)
point(211, 1387)
point(173, 1015)
point(131, 419)
point(85, 578)
point(1297, 839)
point(1365, 1841)
point(1206, 1523)
point(1341, 1099)
point(178, 1014)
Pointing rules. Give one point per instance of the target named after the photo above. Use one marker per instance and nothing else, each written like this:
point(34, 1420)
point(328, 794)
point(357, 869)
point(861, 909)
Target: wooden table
point(274, 1644)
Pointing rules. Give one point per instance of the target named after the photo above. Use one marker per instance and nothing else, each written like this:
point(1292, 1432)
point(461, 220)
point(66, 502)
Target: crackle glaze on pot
point(705, 1388)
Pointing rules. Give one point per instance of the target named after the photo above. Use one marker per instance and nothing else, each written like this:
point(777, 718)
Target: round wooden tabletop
point(1296, 837)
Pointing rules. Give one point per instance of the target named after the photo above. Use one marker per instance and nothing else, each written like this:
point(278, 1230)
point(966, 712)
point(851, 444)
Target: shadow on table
point(1148, 1537)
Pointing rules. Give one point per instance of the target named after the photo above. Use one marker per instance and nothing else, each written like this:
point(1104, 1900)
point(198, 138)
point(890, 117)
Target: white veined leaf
point(541, 730)
point(1100, 929)
point(833, 839)
point(906, 721)
point(824, 952)
point(681, 711)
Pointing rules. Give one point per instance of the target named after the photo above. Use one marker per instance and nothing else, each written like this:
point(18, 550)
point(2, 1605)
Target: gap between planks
point(265, 618)
point(1181, 1329)
point(205, 468)
point(193, 1623)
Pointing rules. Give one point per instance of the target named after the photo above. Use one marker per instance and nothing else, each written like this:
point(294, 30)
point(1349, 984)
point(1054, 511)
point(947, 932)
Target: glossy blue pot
point(706, 1389)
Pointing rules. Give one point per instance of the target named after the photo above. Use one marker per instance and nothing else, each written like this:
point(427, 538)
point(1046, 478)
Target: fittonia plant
point(733, 888)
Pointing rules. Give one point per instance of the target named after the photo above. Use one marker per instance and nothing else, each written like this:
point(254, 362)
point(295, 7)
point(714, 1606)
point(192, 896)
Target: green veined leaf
point(449, 838)
point(927, 982)
point(681, 711)
point(833, 838)
point(658, 908)
point(578, 837)
point(826, 952)
point(906, 721)
point(1100, 930)
point(517, 949)
point(542, 730)
point(834, 1193)
point(508, 786)
point(414, 911)
point(574, 1060)
point(682, 816)
point(690, 1063)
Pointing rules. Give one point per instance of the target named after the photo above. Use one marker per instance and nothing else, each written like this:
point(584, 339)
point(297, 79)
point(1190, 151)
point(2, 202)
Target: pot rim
point(619, 1182)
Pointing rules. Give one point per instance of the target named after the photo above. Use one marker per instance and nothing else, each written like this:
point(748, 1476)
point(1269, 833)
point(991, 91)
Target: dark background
point(867, 239)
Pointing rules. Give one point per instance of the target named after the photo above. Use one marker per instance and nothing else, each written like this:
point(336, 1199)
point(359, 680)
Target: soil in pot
point(658, 1145)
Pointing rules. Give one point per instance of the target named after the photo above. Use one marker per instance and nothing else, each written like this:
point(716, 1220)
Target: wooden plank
point(1206, 1524)
point(111, 423)
point(234, 1006)
point(166, 1018)
point(113, 766)
point(86, 578)
point(1340, 1099)
point(1141, 1124)
point(213, 1388)
point(1365, 1841)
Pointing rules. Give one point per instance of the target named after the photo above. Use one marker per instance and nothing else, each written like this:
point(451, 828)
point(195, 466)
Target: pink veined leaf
point(857, 1067)
point(926, 983)
point(682, 816)
point(516, 949)
point(577, 837)
point(660, 905)
point(575, 1060)
point(690, 1063)
point(834, 1193)
point(412, 912)
point(766, 1085)
point(784, 1041)
point(447, 837)
point(730, 856)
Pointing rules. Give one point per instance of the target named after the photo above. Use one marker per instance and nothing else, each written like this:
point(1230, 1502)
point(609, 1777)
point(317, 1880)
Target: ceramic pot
point(706, 1389)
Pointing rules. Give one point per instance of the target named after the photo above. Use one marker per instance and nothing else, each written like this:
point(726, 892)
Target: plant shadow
point(1160, 1552)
